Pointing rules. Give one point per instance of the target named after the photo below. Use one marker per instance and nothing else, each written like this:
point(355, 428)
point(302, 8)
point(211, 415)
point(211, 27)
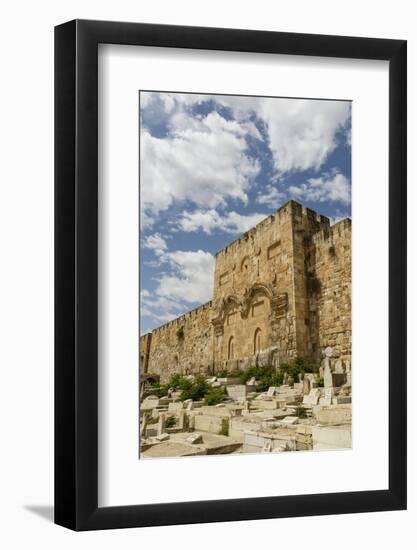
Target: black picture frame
point(76, 272)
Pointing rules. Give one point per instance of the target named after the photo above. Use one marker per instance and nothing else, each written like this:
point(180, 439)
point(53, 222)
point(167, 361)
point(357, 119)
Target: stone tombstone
point(328, 352)
point(267, 448)
point(162, 437)
point(150, 403)
point(313, 397)
point(290, 420)
point(306, 385)
point(326, 363)
point(251, 382)
point(328, 396)
point(161, 424)
point(191, 423)
point(271, 391)
point(175, 407)
point(328, 377)
point(237, 392)
point(195, 438)
point(181, 420)
point(144, 425)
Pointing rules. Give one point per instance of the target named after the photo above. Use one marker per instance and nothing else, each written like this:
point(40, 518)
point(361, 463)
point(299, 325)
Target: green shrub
point(298, 368)
point(214, 396)
point(158, 389)
point(264, 376)
point(320, 381)
point(225, 427)
point(222, 374)
point(194, 389)
point(170, 421)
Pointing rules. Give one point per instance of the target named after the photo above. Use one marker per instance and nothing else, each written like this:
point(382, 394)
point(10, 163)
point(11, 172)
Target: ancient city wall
point(329, 269)
point(183, 345)
point(283, 288)
point(260, 283)
point(249, 273)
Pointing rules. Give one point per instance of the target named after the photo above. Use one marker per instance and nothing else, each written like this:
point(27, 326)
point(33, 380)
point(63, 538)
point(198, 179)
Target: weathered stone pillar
point(181, 419)
point(161, 423)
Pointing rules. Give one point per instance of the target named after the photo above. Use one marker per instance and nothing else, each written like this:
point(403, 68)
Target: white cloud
point(188, 282)
point(333, 187)
point(210, 221)
point(272, 198)
point(301, 132)
point(191, 277)
point(203, 161)
point(156, 243)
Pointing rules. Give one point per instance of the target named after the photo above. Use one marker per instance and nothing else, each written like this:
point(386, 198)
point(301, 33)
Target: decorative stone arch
point(222, 309)
point(256, 290)
point(278, 301)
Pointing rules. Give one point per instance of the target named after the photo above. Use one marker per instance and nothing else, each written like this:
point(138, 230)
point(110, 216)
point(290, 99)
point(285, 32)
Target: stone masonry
point(281, 291)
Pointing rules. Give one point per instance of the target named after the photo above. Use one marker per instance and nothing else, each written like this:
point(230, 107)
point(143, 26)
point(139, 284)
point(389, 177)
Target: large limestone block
point(333, 414)
point(150, 403)
point(289, 420)
point(208, 423)
point(266, 405)
point(214, 410)
point(175, 407)
point(237, 392)
point(342, 400)
point(313, 397)
point(332, 437)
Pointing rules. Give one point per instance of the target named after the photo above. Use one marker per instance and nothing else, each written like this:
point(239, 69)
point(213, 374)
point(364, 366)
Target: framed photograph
point(230, 244)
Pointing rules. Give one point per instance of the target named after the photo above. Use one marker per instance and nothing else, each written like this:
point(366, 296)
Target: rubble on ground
point(310, 414)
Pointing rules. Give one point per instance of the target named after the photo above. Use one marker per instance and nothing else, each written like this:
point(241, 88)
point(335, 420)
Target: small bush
point(170, 421)
point(320, 381)
point(194, 389)
point(158, 389)
point(264, 376)
point(180, 333)
point(222, 374)
point(225, 427)
point(298, 368)
point(214, 396)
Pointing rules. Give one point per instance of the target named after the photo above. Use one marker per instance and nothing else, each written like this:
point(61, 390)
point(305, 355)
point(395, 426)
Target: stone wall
point(260, 299)
point(329, 267)
point(182, 346)
point(282, 290)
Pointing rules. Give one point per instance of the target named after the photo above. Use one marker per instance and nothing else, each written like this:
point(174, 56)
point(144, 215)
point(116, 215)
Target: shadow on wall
point(45, 512)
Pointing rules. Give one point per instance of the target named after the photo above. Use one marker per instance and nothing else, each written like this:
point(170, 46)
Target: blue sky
point(212, 166)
